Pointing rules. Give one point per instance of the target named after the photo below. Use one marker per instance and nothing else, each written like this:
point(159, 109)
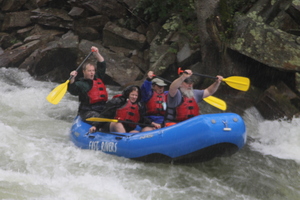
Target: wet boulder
point(12, 5)
point(16, 20)
point(40, 62)
point(278, 102)
point(110, 8)
point(90, 28)
point(52, 17)
point(15, 56)
point(267, 45)
point(114, 35)
point(6, 40)
point(265, 34)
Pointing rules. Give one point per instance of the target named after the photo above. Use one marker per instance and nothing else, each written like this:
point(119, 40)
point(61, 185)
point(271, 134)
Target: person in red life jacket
point(182, 100)
point(126, 107)
point(154, 97)
point(90, 88)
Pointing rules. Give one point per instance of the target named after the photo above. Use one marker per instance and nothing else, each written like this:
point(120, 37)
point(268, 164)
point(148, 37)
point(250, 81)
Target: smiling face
point(89, 71)
point(133, 96)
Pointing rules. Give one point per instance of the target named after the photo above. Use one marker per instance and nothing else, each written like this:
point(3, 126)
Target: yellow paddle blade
point(216, 102)
point(97, 119)
point(58, 93)
point(238, 82)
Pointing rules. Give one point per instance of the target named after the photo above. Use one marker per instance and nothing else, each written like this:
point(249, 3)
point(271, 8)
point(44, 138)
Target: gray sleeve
point(198, 95)
point(174, 101)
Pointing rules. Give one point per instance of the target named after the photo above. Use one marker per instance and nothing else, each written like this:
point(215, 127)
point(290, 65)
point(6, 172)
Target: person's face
point(89, 72)
point(133, 96)
point(158, 89)
point(187, 86)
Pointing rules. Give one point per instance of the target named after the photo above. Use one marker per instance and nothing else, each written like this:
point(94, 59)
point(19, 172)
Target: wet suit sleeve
point(101, 69)
point(79, 87)
point(73, 89)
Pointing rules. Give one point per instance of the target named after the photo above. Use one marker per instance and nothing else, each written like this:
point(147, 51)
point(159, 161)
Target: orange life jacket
point(155, 104)
point(98, 92)
point(128, 112)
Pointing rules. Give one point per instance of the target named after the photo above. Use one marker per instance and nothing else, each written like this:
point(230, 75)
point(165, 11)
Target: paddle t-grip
point(203, 75)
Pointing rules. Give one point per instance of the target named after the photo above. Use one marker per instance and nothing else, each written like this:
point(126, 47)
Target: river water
point(38, 161)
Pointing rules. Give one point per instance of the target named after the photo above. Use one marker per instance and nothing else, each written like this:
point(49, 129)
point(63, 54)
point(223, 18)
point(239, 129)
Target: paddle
point(214, 101)
point(236, 82)
point(59, 92)
point(97, 119)
point(162, 78)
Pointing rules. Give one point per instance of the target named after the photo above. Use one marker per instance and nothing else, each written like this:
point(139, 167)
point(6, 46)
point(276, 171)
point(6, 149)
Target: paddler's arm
point(177, 82)
point(96, 53)
point(213, 87)
point(146, 88)
point(72, 88)
point(101, 64)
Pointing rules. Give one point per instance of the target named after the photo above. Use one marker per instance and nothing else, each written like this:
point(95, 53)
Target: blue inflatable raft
point(198, 139)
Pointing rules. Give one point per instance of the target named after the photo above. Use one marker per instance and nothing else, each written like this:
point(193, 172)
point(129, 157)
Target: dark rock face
point(50, 38)
point(278, 102)
point(16, 20)
point(114, 35)
point(267, 45)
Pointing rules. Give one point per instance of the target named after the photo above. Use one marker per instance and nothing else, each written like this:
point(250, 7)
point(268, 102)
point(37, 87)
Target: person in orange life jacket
point(182, 100)
point(126, 107)
point(90, 88)
point(154, 98)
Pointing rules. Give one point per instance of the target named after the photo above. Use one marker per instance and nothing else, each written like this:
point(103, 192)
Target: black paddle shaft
point(163, 79)
point(206, 76)
point(82, 63)
point(203, 75)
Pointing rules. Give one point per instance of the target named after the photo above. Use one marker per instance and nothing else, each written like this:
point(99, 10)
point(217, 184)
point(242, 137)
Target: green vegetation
point(173, 14)
point(184, 11)
point(180, 15)
point(14, 41)
point(227, 10)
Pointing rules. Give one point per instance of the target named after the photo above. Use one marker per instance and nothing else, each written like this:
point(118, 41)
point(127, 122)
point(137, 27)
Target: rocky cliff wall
point(49, 38)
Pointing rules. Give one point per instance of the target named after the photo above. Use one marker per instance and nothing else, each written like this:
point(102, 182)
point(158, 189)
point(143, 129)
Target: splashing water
point(38, 161)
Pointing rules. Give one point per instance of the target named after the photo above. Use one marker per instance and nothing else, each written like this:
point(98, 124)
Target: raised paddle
point(214, 101)
point(162, 79)
point(97, 119)
point(236, 82)
point(59, 92)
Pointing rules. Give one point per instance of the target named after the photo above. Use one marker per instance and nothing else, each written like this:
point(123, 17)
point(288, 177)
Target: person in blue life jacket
point(182, 100)
point(154, 97)
point(90, 88)
point(126, 107)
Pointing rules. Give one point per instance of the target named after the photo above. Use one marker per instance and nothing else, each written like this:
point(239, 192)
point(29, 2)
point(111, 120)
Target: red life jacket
point(187, 109)
point(155, 104)
point(128, 112)
point(98, 92)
